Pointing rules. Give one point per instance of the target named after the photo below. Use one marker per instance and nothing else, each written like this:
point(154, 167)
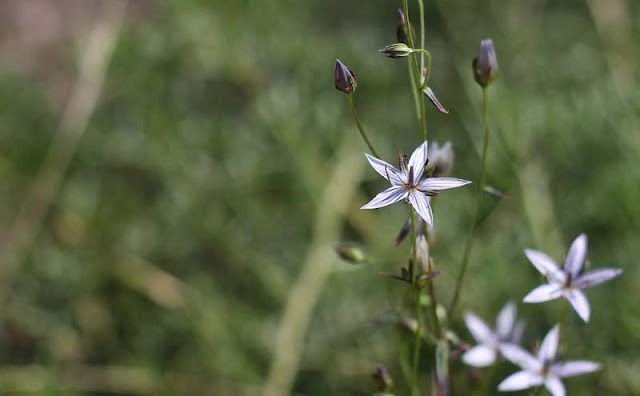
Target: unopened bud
point(441, 159)
point(409, 323)
point(351, 254)
point(422, 254)
point(401, 30)
point(404, 231)
point(345, 79)
point(382, 378)
point(485, 65)
point(397, 50)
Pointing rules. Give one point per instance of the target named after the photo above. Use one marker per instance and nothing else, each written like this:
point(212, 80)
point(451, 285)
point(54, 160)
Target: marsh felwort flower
point(490, 342)
point(569, 281)
point(542, 369)
point(407, 183)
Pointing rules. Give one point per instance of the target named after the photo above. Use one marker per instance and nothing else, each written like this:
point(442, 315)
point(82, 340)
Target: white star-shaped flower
point(569, 281)
point(542, 369)
point(490, 343)
point(407, 183)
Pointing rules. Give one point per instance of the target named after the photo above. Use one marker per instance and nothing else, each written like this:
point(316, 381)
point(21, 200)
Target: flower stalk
point(474, 219)
point(352, 107)
point(412, 270)
point(416, 80)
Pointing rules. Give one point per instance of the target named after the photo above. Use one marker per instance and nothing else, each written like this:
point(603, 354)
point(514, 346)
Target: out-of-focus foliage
point(164, 263)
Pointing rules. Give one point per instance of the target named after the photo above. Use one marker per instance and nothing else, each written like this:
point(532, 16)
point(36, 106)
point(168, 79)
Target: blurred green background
point(176, 173)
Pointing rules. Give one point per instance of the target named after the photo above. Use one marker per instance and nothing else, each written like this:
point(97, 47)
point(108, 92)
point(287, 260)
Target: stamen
point(386, 170)
point(402, 160)
point(411, 175)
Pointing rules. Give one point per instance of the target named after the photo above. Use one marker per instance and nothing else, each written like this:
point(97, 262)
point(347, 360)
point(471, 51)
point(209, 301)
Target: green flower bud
point(345, 80)
point(397, 50)
point(485, 65)
point(351, 254)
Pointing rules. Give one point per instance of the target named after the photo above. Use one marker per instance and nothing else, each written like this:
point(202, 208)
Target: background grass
point(198, 189)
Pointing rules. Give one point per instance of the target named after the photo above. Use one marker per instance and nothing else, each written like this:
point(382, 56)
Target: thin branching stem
point(433, 309)
point(413, 61)
point(422, 31)
point(483, 175)
point(352, 107)
point(412, 272)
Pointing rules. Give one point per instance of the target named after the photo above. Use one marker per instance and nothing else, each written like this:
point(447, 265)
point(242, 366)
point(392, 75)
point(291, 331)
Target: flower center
point(410, 185)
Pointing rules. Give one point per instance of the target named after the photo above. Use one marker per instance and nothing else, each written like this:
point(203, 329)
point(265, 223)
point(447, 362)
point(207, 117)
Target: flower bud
point(441, 159)
point(404, 231)
point(345, 79)
point(401, 30)
point(422, 254)
point(382, 378)
point(351, 254)
point(485, 65)
point(397, 50)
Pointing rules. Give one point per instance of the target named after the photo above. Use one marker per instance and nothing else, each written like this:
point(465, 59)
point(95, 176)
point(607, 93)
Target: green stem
point(417, 341)
point(428, 54)
point(483, 175)
point(486, 386)
point(422, 118)
point(414, 89)
point(362, 133)
point(433, 310)
point(422, 32)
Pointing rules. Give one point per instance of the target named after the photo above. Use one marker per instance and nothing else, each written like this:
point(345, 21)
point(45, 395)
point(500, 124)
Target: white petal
point(506, 320)
point(575, 258)
point(520, 380)
point(596, 277)
point(519, 356)
point(478, 328)
point(386, 170)
point(575, 367)
point(543, 293)
point(518, 329)
point(555, 386)
point(441, 183)
point(549, 345)
point(579, 302)
point(545, 265)
point(420, 203)
point(387, 197)
point(481, 355)
point(417, 160)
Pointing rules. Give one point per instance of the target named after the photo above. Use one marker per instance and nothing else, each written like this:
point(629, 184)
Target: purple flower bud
point(345, 80)
point(401, 30)
point(382, 378)
point(485, 65)
point(397, 50)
